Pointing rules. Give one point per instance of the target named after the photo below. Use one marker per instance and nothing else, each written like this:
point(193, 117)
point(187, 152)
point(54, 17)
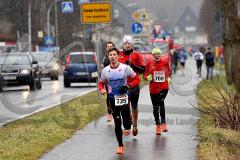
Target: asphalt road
point(18, 102)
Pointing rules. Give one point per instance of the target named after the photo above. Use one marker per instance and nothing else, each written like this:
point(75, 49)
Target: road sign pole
point(98, 49)
point(30, 26)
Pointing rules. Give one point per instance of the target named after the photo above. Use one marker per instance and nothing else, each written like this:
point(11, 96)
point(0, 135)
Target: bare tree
point(230, 32)
point(231, 40)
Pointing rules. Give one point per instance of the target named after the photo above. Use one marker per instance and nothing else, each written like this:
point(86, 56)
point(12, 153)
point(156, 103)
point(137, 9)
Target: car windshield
point(162, 45)
point(142, 48)
point(42, 57)
point(14, 59)
point(82, 58)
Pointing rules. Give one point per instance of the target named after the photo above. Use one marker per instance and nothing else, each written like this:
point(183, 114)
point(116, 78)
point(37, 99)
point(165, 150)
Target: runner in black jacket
point(105, 63)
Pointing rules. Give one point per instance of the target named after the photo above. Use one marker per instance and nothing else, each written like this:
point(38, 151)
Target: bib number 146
point(121, 100)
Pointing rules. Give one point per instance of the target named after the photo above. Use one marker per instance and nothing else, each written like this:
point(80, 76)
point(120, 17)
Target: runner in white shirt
point(198, 56)
point(115, 76)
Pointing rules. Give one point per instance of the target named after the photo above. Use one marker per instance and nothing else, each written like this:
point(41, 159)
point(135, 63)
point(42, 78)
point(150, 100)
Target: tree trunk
point(236, 64)
point(228, 62)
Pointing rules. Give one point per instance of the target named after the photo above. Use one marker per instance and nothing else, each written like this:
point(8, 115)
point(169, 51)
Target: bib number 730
point(121, 100)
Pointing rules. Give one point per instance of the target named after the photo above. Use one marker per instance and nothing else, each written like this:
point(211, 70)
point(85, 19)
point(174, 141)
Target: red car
point(145, 51)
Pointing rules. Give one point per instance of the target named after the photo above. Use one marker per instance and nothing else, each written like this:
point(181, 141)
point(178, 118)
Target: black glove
point(138, 69)
point(127, 62)
point(124, 89)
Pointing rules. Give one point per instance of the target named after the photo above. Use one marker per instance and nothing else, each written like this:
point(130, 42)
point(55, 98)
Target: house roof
point(188, 20)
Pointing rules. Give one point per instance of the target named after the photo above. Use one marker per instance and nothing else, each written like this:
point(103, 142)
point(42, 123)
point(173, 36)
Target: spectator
point(182, 59)
point(175, 60)
point(209, 57)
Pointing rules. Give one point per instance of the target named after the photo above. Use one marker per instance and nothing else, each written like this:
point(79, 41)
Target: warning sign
point(96, 13)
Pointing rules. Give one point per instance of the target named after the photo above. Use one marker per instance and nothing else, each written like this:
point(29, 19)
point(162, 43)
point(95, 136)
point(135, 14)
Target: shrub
point(221, 101)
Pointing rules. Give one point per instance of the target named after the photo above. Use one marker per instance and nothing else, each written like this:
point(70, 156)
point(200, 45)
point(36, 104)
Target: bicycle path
point(97, 140)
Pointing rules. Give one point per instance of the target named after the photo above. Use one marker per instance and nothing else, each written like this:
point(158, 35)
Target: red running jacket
point(134, 58)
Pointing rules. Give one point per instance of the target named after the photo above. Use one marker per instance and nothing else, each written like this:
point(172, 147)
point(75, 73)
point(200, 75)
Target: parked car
point(48, 63)
point(19, 69)
point(80, 67)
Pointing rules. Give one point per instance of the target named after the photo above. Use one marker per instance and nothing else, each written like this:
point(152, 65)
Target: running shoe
point(120, 150)
point(164, 127)
point(126, 132)
point(109, 118)
point(158, 129)
point(135, 131)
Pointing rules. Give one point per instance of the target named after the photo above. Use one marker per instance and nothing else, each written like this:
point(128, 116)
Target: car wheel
point(66, 83)
point(2, 85)
point(39, 83)
point(56, 77)
point(32, 86)
point(52, 78)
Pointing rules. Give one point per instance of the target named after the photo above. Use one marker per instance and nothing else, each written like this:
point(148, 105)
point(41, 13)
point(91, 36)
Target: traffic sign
point(48, 40)
point(99, 12)
point(140, 15)
point(83, 1)
point(158, 28)
point(40, 34)
point(136, 15)
point(137, 28)
point(67, 7)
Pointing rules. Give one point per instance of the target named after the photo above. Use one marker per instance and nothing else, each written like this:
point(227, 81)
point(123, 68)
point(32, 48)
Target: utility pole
point(29, 26)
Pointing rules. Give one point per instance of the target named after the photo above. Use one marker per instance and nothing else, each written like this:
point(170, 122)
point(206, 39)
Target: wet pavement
point(97, 140)
point(18, 102)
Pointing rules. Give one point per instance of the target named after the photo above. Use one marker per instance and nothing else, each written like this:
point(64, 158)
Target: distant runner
point(116, 75)
point(158, 73)
point(198, 56)
point(135, 60)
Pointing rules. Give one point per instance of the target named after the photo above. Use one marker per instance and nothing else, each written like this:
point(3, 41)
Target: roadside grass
point(219, 67)
point(31, 137)
point(215, 142)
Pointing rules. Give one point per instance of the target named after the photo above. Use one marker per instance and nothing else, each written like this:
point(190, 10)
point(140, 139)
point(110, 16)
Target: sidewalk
point(97, 140)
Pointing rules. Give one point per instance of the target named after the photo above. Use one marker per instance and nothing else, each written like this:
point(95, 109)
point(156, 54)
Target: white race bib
point(159, 76)
point(121, 100)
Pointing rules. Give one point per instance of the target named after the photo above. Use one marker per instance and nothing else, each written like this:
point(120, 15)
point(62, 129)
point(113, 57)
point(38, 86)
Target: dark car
point(80, 67)
point(48, 63)
point(19, 69)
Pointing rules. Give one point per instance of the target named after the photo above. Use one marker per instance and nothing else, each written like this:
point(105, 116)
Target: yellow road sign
point(136, 15)
point(96, 12)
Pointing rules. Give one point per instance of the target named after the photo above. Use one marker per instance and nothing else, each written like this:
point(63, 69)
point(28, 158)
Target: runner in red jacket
point(135, 60)
point(158, 73)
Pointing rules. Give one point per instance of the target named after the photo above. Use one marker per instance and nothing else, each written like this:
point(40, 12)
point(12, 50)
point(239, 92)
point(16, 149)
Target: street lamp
point(48, 15)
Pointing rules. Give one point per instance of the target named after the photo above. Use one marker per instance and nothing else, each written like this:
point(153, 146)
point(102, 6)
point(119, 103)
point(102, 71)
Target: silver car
point(48, 63)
